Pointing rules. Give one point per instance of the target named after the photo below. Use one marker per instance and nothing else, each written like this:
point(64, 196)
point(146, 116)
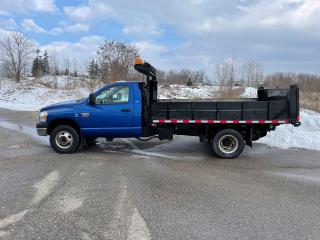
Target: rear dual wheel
point(227, 143)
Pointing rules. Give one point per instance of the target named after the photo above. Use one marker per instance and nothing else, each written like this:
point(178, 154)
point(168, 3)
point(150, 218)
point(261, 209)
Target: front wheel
point(228, 143)
point(64, 139)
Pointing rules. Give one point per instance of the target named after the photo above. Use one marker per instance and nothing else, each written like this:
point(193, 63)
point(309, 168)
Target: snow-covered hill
point(31, 95)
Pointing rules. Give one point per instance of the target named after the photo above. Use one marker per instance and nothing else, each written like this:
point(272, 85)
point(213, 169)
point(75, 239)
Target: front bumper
point(42, 129)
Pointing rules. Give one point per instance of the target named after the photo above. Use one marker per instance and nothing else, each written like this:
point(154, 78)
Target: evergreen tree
point(66, 72)
point(56, 71)
point(35, 67)
point(189, 83)
point(93, 69)
point(45, 64)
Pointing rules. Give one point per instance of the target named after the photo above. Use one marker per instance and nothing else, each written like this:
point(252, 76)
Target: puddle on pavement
point(114, 146)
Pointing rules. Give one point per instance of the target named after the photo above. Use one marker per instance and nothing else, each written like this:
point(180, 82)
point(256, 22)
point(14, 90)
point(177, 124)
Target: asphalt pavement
point(128, 189)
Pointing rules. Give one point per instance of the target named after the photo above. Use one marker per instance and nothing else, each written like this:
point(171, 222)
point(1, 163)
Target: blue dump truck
point(132, 110)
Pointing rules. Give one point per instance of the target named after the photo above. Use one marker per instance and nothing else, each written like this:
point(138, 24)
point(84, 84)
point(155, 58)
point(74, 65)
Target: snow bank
point(33, 98)
point(31, 94)
point(307, 136)
point(250, 92)
point(184, 92)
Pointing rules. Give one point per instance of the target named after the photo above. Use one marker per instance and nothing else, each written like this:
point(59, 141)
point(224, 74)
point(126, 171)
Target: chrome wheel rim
point(64, 139)
point(228, 144)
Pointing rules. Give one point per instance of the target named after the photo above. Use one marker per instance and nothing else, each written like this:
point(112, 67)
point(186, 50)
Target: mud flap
point(165, 134)
point(249, 135)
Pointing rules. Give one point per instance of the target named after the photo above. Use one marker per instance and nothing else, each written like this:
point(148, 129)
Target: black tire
point(64, 139)
point(227, 144)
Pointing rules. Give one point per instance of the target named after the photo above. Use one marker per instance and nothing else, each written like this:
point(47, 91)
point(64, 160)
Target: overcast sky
point(283, 35)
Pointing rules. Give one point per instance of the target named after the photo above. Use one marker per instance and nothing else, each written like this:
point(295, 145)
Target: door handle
point(126, 110)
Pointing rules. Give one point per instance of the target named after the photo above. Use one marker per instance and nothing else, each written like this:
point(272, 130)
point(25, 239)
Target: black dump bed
point(271, 104)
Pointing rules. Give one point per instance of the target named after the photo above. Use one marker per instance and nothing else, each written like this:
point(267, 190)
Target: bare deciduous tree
point(54, 68)
point(226, 75)
point(15, 54)
point(66, 63)
point(252, 74)
point(116, 60)
point(181, 77)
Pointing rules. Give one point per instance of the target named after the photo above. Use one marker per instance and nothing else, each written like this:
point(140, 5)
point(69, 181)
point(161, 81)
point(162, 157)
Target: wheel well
point(240, 128)
point(63, 121)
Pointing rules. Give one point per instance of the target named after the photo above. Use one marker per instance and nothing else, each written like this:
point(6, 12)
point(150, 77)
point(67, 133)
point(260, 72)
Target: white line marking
point(12, 219)
point(120, 218)
point(45, 186)
point(138, 228)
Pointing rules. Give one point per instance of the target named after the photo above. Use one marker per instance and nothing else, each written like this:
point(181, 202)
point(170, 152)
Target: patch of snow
point(32, 94)
point(250, 92)
point(307, 136)
point(188, 92)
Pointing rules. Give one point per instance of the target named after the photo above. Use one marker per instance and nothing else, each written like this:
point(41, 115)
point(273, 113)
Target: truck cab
point(113, 111)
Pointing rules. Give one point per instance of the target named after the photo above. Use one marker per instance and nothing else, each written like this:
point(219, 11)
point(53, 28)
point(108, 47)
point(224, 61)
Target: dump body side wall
point(271, 104)
point(255, 110)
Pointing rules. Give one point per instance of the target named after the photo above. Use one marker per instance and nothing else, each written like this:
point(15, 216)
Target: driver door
point(111, 114)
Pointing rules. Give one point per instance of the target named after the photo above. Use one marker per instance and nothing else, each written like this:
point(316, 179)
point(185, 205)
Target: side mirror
point(92, 99)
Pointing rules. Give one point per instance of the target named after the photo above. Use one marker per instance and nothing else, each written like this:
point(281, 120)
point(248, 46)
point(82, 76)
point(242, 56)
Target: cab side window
point(114, 95)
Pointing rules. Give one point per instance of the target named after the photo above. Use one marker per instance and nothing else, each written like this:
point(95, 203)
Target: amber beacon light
point(138, 61)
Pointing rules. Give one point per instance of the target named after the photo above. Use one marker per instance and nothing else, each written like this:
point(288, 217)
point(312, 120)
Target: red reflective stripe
point(221, 121)
point(298, 118)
